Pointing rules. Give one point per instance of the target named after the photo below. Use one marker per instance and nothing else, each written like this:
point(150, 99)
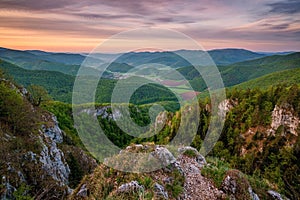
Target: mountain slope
point(287, 77)
point(37, 159)
point(244, 71)
point(60, 86)
point(229, 56)
point(40, 60)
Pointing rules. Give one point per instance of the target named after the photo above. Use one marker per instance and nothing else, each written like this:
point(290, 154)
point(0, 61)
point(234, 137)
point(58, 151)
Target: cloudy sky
point(80, 25)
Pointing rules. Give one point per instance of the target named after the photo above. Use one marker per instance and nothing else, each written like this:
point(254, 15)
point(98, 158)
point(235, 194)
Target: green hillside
point(60, 86)
point(287, 77)
point(244, 71)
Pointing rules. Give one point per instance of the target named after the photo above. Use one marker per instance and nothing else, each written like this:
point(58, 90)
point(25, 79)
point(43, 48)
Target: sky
point(81, 25)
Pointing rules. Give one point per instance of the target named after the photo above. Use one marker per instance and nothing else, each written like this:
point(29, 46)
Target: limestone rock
point(163, 155)
point(132, 186)
point(199, 158)
point(160, 191)
point(82, 191)
point(284, 115)
point(275, 195)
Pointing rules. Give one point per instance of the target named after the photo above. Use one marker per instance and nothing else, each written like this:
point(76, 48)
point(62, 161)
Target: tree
point(38, 94)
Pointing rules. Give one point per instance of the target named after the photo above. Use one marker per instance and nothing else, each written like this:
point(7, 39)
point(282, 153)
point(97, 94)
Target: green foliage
point(216, 170)
point(15, 110)
point(63, 112)
point(76, 171)
point(147, 182)
point(288, 77)
point(176, 187)
point(190, 153)
point(38, 94)
point(22, 192)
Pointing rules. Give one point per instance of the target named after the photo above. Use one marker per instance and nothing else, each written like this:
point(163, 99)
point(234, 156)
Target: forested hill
point(60, 86)
point(244, 71)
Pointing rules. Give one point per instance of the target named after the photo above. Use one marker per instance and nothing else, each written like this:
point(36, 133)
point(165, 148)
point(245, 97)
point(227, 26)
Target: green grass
point(216, 170)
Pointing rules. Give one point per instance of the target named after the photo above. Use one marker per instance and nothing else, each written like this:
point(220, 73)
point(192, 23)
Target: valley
point(44, 157)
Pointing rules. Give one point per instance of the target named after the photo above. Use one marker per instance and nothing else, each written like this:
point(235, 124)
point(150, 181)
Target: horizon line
point(154, 51)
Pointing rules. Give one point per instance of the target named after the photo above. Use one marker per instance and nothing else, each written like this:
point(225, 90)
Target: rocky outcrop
point(199, 158)
point(105, 112)
point(275, 195)
point(285, 116)
point(236, 186)
point(225, 106)
point(53, 132)
point(160, 192)
point(83, 192)
point(51, 157)
point(130, 187)
point(163, 155)
point(8, 189)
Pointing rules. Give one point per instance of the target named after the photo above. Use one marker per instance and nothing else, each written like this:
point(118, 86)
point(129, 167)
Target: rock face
point(9, 189)
point(54, 132)
point(225, 106)
point(51, 156)
point(284, 116)
point(275, 195)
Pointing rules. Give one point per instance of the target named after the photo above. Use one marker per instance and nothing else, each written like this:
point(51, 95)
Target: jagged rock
point(159, 191)
point(54, 163)
point(236, 185)
point(30, 156)
point(225, 106)
point(51, 156)
point(54, 132)
point(83, 192)
point(163, 155)
point(194, 170)
point(8, 189)
point(284, 115)
point(133, 186)
point(21, 176)
point(253, 195)
point(229, 185)
point(199, 158)
point(275, 195)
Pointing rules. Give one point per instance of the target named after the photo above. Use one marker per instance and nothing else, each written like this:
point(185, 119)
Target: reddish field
point(189, 95)
point(173, 83)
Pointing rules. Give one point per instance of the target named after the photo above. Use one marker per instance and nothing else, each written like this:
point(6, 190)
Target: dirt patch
point(189, 95)
point(172, 83)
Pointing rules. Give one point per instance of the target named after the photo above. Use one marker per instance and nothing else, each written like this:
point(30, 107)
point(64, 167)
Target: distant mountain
point(69, 62)
point(60, 62)
point(230, 56)
point(276, 53)
point(178, 58)
point(60, 86)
